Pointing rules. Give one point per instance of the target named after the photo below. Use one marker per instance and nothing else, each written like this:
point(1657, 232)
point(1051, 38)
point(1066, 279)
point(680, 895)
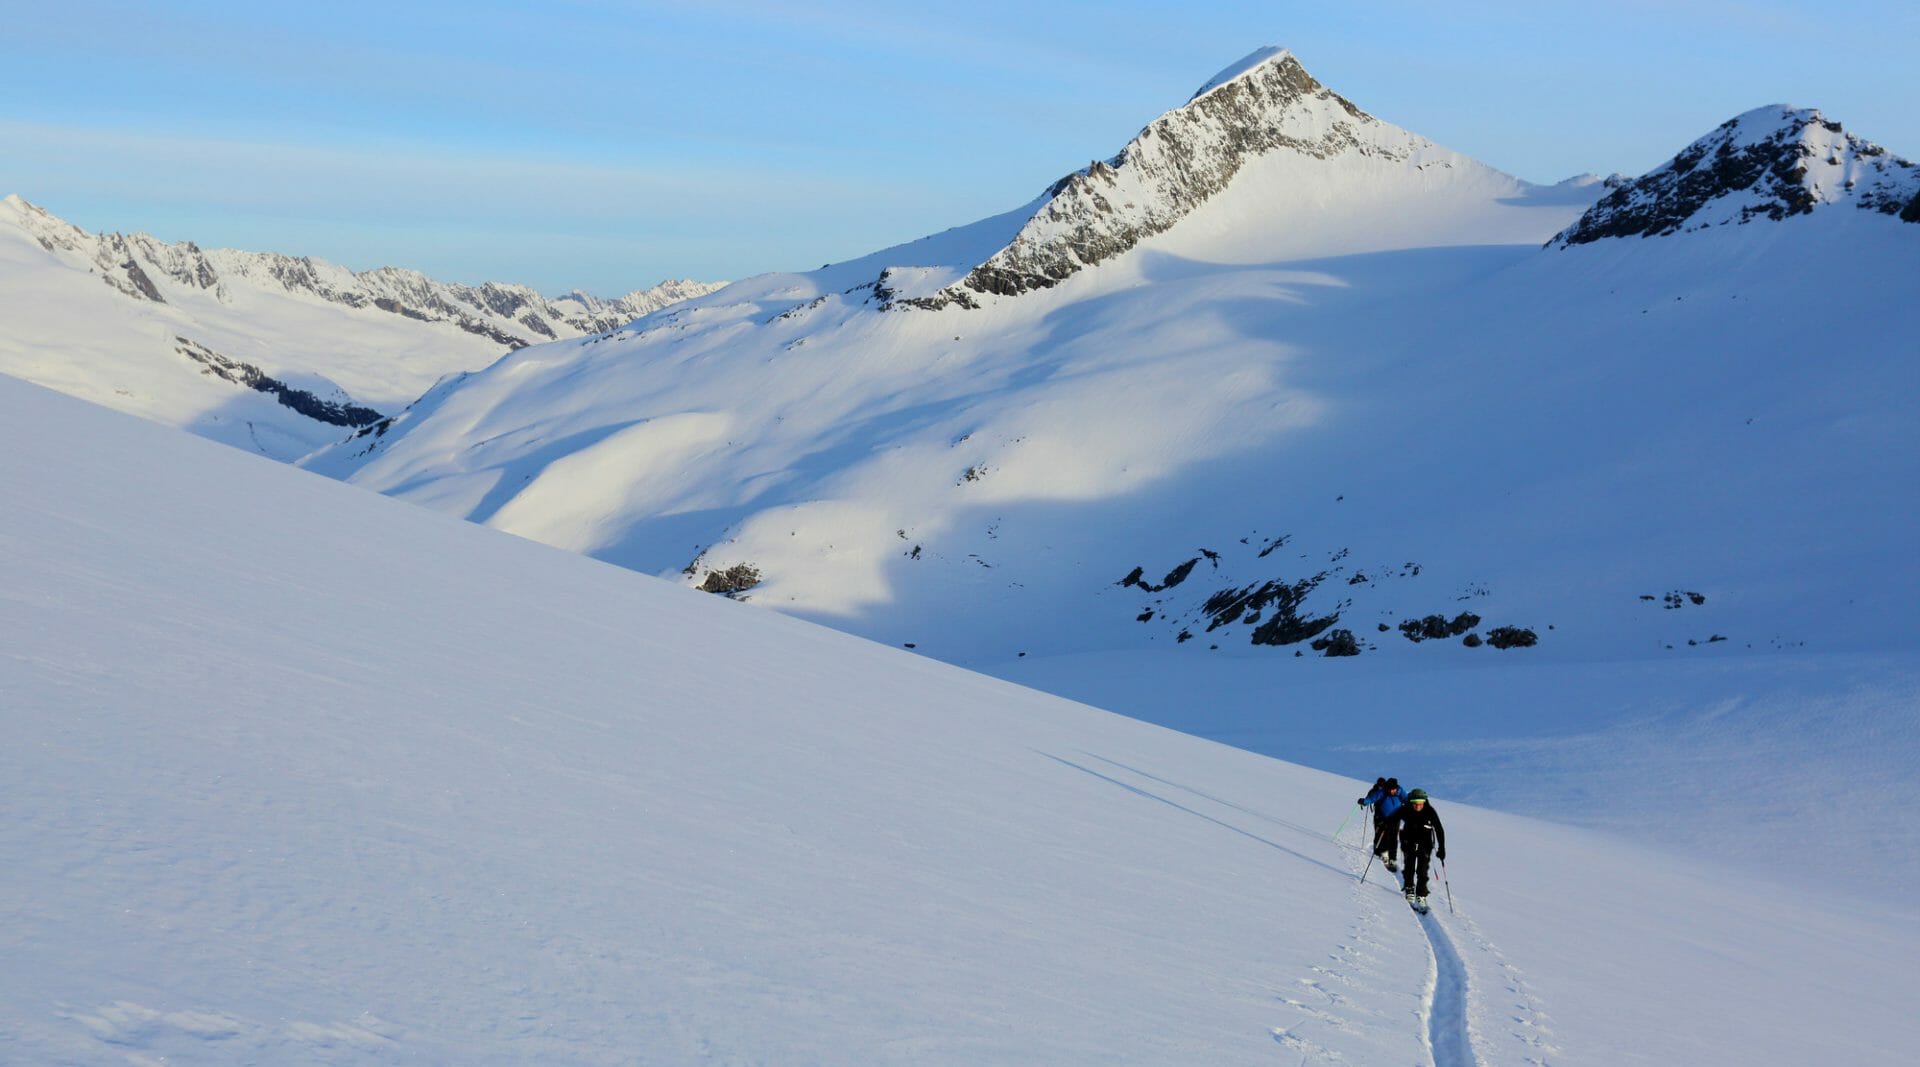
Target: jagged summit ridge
point(1770, 163)
point(511, 315)
point(1264, 103)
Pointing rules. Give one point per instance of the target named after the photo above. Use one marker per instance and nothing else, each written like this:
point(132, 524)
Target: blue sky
point(605, 145)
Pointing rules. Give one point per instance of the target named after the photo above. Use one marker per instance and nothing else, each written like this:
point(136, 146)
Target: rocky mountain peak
point(1770, 163)
point(49, 230)
point(1247, 66)
point(1266, 102)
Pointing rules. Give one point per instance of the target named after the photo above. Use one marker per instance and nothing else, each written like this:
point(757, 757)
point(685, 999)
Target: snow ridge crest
point(1267, 102)
point(1770, 163)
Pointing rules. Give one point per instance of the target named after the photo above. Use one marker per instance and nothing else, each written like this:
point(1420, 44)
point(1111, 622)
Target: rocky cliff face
point(1770, 163)
point(1266, 103)
point(511, 315)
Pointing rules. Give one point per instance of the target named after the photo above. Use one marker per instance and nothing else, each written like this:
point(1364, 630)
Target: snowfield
point(1307, 449)
point(366, 784)
point(1355, 390)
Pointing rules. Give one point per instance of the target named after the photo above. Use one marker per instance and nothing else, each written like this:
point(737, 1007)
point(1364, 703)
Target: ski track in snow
point(1446, 1004)
point(1150, 795)
point(1458, 998)
point(1308, 830)
point(1526, 1022)
point(1451, 1002)
point(1329, 1000)
point(1445, 1007)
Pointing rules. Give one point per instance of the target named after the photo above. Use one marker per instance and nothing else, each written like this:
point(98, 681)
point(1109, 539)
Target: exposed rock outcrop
point(1771, 163)
point(341, 412)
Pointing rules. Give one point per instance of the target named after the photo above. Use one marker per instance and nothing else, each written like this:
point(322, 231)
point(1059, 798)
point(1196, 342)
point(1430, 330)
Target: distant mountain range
point(269, 352)
point(1277, 374)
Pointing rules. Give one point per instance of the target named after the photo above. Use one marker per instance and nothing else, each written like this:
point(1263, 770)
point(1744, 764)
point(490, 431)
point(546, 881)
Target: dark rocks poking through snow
point(1284, 626)
point(1438, 627)
point(1338, 643)
point(1278, 542)
point(1677, 599)
point(733, 581)
point(1174, 577)
point(299, 400)
point(141, 285)
point(1512, 637)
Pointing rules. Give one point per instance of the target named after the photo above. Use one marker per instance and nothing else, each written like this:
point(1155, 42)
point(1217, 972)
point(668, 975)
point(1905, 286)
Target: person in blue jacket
point(1385, 799)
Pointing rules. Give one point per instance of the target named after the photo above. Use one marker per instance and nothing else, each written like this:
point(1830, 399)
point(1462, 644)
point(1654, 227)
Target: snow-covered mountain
point(1771, 163)
point(371, 786)
point(1323, 177)
point(268, 352)
point(1278, 373)
point(1263, 163)
point(1322, 404)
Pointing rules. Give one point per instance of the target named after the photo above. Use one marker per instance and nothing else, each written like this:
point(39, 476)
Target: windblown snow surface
point(298, 774)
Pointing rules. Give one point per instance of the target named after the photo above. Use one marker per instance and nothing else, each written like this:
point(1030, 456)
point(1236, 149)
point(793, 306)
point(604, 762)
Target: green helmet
point(1418, 794)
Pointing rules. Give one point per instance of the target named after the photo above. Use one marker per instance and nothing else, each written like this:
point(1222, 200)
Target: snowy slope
point(374, 786)
point(1568, 438)
point(267, 352)
point(787, 424)
point(1346, 402)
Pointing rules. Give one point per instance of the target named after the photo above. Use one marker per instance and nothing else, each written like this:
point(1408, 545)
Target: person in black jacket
point(1421, 837)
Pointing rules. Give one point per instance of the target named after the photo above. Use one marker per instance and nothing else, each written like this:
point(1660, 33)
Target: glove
point(1442, 855)
point(1361, 801)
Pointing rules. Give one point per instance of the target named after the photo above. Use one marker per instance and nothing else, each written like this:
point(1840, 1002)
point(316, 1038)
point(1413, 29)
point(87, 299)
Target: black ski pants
point(1413, 876)
point(1383, 840)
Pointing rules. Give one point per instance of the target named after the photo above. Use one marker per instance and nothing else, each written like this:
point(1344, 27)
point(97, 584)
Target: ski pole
point(1369, 867)
point(1343, 822)
point(1444, 882)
